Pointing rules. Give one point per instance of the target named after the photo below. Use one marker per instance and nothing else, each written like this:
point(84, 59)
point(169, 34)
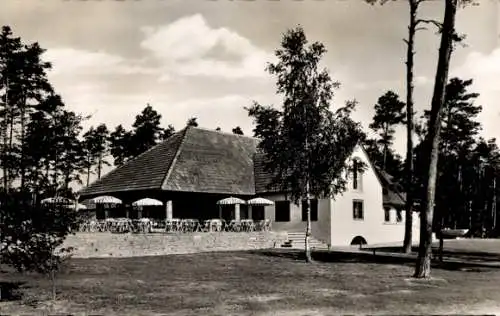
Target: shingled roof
point(213, 162)
point(263, 178)
point(193, 159)
point(392, 194)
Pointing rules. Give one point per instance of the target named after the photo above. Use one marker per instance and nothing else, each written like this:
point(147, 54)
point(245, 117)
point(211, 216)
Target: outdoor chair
point(212, 225)
point(159, 224)
point(217, 225)
point(264, 225)
point(84, 227)
point(100, 226)
point(109, 223)
point(235, 226)
point(206, 225)
point(145, 225)
point(188, 225)
point(172, 225)
point(248, 225)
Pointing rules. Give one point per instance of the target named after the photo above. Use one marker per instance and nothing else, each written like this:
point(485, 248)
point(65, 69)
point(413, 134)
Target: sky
point(207, 58)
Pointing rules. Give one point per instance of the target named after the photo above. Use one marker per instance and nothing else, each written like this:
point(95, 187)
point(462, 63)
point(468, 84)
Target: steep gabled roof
point(392, 194)
point(145, 172)
point(213, 162)
point(263, 178)
point(194, 159)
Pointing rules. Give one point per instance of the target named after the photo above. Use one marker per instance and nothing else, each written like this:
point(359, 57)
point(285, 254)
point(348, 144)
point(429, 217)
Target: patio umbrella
point(147, 202)
point(57, 200)
point(260, 202)
point(78, 206)
point(89, 204)
point(230, 201)
point(106, 199)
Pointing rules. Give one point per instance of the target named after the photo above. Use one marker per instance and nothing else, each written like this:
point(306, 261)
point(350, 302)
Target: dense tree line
point(469, 165)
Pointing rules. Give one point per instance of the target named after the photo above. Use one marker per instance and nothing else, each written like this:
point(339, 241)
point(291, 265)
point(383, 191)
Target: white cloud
point(484, 69)
point(422, 80)
point(70, 61)
point(485, 72)
point(184, 45)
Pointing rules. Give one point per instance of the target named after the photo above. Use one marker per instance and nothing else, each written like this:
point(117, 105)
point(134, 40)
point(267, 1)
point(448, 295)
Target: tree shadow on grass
point(11, 291)
point(370, 258)
point(453, 253)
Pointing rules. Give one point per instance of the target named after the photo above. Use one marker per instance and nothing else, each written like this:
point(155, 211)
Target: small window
point(356, 175)
point(387, 214)
point(314, 210)
point(399, 215)
point(357, 210)
point(282, 211)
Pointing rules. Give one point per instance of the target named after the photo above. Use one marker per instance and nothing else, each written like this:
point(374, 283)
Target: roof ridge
point(223, 133)
point(174, 160)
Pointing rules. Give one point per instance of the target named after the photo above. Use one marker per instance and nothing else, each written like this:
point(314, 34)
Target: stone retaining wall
point(99, 245)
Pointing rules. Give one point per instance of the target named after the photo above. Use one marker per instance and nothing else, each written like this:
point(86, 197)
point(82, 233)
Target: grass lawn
point(254, 283)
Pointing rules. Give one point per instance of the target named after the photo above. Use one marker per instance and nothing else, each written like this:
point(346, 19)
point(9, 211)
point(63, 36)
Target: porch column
point(237, 212)
point(220, 212)
point(392, 215)
point(127, 211)
point(169, 210)
point(139, 212)
point(249, 211)
point(106, 212)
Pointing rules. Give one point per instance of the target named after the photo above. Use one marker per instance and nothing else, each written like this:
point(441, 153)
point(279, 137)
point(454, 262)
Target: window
point(399, 216)
point(387, 214)
point(357, 210)
point(282, 211)
point(258, 213)
point(314, 210)
point(356, 175)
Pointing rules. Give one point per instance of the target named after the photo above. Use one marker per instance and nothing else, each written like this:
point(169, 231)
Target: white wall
point(294, 225)
point(320, 229)
point(373, 227)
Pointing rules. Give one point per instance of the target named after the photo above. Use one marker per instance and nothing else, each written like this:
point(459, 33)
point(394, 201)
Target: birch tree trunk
point(308, 227)
point(423, 264)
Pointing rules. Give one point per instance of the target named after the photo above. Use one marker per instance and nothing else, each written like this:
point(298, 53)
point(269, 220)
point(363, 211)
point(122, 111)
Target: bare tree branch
point(433, 22)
